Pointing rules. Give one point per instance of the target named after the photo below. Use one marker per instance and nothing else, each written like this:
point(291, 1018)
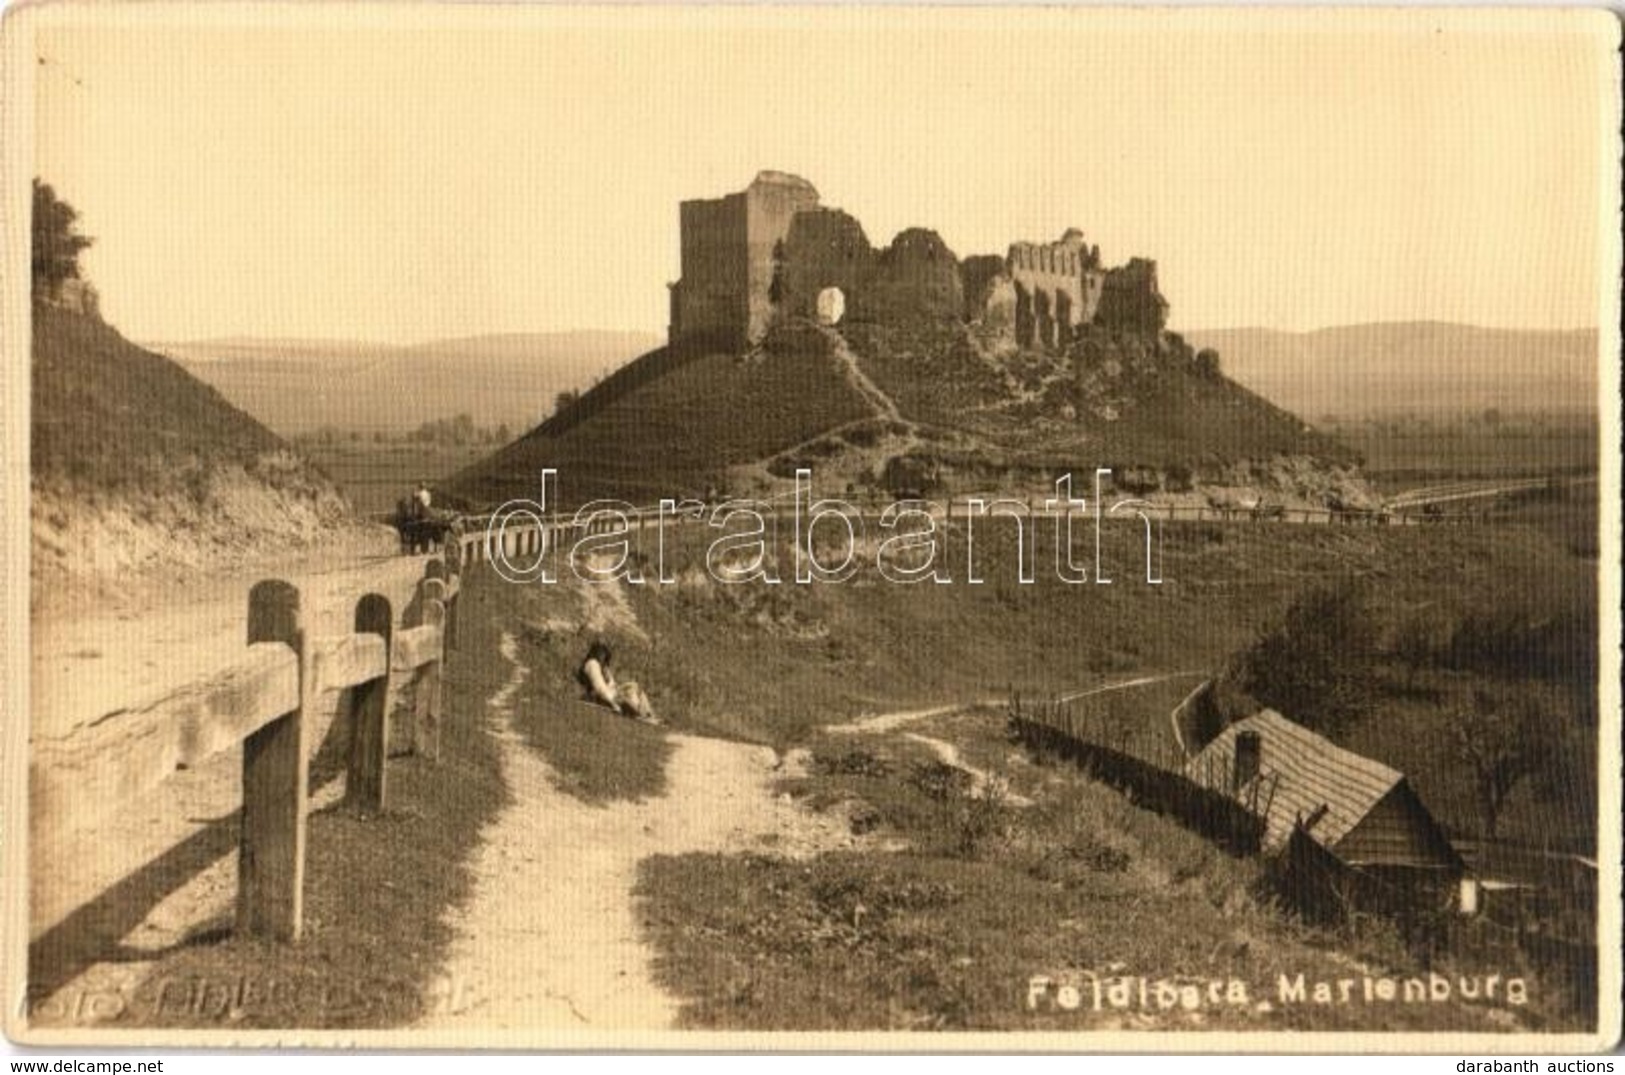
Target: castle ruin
point(772, 248)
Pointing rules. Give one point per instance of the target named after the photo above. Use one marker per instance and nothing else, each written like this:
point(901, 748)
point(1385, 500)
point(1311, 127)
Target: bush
point(852, 763)
point(940, 780)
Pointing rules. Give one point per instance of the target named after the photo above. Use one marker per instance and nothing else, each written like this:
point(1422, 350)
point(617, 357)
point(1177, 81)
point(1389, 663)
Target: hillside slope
point(136, 463)
point(1358, 370)
point(885, 404)
point(1112, 398)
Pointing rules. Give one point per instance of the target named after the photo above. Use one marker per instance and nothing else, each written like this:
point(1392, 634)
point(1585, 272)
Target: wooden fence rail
point(265, 703)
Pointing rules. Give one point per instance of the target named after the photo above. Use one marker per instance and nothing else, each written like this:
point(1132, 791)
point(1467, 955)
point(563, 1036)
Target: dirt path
point(551, 938)
point(981, 779)
point(883, 405)
point(887, 722)
point(1142, 681)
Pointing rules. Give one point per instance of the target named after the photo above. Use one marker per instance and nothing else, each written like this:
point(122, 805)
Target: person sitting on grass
point(599, 683)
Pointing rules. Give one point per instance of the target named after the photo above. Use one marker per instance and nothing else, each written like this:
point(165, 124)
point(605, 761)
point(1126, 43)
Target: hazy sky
point(332, 174)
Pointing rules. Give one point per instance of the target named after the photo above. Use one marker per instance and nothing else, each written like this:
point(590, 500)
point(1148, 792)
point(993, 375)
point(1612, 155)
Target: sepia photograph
point(858, 528)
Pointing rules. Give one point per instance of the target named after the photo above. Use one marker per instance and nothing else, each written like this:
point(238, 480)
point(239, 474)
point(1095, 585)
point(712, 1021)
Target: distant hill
point(135, 462)
point(1412, 367)
point(903, 404)
point(508, 379)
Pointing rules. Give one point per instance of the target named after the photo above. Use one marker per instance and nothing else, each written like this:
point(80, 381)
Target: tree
point(565, 400)
point(57, 242)
point(1316, 665)
point(1503, 741)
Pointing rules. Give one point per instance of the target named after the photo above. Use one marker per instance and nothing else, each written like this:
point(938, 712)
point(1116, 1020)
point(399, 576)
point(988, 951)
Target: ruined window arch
point(831, 306)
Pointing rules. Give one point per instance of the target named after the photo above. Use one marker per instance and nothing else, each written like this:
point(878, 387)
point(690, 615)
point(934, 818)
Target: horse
point(421, 529)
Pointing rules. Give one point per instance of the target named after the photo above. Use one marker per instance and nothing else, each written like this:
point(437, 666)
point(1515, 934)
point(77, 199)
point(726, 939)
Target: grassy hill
point(496, 379)
point(1411, 367)
point(135, 462)
point(857, 403)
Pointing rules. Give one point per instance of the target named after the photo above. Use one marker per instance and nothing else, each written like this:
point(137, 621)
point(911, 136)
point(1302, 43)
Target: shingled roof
point(1301, 772)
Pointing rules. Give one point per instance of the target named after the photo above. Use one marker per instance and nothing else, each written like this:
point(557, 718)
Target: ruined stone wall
point(1130, 300)
point(1058, 287)
point(769, 250)
point(711, 297)
point(990, 294)
point(917, 276)
point(824, 248)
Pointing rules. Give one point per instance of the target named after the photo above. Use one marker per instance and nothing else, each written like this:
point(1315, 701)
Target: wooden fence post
point(364, 786)
point(454, 580)
point(436, 569)
point(271, 855)
point(426, 693)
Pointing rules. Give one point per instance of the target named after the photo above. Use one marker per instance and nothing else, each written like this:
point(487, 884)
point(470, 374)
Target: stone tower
point(728, 252)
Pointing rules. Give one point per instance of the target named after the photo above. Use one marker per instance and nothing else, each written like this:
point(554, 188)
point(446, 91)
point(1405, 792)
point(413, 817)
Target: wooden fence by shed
point(1144, 767)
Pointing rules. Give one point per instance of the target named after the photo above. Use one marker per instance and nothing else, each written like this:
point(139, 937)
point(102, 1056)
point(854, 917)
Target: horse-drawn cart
point(423, 529)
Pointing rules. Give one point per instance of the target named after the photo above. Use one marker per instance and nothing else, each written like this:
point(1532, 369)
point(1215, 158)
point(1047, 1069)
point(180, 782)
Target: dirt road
point(135, 648)
point(91, 657)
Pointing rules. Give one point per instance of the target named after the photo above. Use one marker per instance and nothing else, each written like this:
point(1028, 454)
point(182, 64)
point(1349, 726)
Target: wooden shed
point(1360, 811)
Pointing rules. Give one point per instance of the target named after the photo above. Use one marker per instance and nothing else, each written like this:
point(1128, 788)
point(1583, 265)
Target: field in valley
point(1400, 454)
point(374, 474)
